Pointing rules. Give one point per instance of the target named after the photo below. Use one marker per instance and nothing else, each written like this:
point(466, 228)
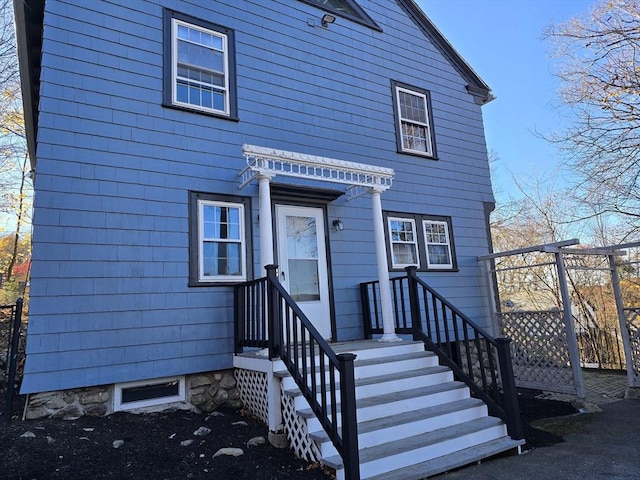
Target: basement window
point(148, 393)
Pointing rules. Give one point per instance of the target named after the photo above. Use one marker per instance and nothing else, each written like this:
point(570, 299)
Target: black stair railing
point(267, 317)
point(482, 362)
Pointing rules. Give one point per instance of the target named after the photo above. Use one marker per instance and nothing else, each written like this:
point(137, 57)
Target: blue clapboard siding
point(109, 296)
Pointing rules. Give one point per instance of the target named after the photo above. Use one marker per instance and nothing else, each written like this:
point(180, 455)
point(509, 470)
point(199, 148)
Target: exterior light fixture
point(338, 225)
point(327, 19)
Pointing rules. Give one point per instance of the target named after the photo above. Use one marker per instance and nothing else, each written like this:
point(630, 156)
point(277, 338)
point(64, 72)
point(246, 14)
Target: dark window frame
point(194, 247)
point(395, 85)
point(422, 247)
point(362, 17)
point(167, 94)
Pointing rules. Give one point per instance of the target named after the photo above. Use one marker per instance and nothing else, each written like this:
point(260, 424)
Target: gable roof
point(476, 86)
point(29, 18)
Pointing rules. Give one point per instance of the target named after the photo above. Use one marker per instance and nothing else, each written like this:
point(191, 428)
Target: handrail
point(15, 326)
point(267, 317)
point(482, 362)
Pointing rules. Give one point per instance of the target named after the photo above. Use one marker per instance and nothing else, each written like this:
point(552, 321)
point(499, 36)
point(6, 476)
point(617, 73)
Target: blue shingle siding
point(110, 300)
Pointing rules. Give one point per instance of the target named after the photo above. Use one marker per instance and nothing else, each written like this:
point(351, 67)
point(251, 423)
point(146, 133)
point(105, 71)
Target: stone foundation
point(204, 391)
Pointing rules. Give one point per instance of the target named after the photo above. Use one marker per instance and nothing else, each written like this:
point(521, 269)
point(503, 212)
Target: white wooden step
point(395, 403)
point(393, 382)
point(374, 367)
point(394, 363)
point(396, 427)
point(367, 349)
point(445, 463)
point(394, 455)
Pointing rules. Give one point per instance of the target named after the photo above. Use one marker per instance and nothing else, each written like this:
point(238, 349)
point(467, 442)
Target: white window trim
point(434, 266)
point(401, 119)
point(243, 261)
point(414, 243)
point(151, 402)
point(174, 67)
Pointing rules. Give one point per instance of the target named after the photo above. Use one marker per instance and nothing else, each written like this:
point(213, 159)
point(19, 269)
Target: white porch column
point(266, 223)
point(388, 325)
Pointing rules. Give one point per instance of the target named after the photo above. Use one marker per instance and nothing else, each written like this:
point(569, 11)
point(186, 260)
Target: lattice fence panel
point(633, 327)
point(296, 428)
point(254, 392)
point(539, 349)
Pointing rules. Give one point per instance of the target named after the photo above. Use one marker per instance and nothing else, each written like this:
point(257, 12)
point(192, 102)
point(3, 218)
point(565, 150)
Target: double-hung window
point(199, 66)
point(218, 239)
point(424, 241)
point(438, 244)
point(404, 242)
point(414, 125)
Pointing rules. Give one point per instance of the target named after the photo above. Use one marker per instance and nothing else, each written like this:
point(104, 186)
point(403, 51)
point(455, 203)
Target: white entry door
point(302, 261)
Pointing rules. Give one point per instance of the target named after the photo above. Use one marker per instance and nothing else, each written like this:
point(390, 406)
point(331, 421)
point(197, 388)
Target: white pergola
point(265, 163)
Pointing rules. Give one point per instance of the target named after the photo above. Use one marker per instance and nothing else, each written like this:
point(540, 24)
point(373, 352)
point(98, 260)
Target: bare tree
point(598, 62)
point(15, 188)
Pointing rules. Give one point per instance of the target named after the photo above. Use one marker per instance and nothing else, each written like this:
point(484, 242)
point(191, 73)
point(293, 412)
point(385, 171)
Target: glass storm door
point(302, 261)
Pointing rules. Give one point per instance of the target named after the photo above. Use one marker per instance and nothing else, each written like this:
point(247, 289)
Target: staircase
point(414, 420)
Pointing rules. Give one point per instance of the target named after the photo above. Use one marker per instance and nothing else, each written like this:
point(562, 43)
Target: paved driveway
point(603, 445)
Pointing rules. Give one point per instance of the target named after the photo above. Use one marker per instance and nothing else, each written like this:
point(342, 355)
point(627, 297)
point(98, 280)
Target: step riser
point(429, 452)
point(364, 391)
point(366, 371)
point(398, 432)
point(389, 351)
point(384, 410)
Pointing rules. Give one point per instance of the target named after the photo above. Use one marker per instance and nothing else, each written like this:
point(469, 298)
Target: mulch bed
point(151, 446)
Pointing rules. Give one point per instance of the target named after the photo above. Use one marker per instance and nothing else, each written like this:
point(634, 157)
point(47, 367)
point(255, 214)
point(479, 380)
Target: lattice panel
point(539, 349)
point(253, 388)
point(296, 428)
point(633, 327)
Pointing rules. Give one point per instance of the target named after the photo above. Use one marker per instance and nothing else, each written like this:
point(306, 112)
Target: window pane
point(413, 107)
point(404, 254)
point(438, 254)
point(221, 222)
point(414, 137)
point(221, 259)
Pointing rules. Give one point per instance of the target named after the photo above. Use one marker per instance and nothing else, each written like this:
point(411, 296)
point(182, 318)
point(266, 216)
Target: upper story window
point(199, 66)
point(219, 247)
point(348, 9)
point(414, 125)
point(431, 249)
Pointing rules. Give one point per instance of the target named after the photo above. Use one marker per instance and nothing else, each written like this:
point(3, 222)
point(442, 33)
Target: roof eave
point(476, 86)
point(29, 16)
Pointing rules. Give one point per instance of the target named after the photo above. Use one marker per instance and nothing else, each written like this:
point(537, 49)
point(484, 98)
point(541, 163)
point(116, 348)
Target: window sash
point(200, 82)
point(404, 242)
point(413, 119)
point(221, 241)
point(437, 243)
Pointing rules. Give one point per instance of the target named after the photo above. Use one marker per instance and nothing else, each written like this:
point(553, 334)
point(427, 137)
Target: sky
point(502, 41)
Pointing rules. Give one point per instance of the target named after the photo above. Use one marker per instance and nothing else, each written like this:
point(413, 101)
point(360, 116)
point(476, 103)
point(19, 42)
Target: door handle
point(283, 276)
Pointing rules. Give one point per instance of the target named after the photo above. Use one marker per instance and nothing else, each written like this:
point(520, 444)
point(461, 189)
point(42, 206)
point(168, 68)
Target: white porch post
point(388, 325)
point(266, 223)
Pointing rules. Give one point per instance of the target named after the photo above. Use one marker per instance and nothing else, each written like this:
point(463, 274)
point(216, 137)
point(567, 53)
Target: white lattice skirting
point(254, 392)
point(296, 428)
